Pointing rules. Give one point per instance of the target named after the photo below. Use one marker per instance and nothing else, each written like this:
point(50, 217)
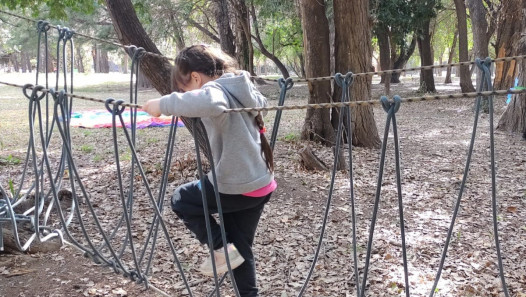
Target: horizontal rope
point(314, 79)
point(72, 95)
point(376, 102)
point(319, 105)
point(467, 63)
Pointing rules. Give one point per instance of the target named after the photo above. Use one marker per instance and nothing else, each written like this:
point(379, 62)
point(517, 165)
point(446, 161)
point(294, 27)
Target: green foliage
point(57, 8)
point(11, 188)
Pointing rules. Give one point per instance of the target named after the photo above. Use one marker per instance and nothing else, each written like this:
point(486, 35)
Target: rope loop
point(387, 105)
point(68, 35)
point(35, 95)
point(136, 53)
point(285, 83)
point(117, 108)
point(139, 53)
point(43, 26)
point(397, 102)
point(344, 81)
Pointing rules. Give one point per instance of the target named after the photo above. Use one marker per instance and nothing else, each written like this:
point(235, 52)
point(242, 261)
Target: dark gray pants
point(241, 216)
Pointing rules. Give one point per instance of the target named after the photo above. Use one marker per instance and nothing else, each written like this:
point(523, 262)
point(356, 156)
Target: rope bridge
point(116, 245)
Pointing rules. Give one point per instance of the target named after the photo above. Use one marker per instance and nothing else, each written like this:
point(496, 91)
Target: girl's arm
point(207, 102)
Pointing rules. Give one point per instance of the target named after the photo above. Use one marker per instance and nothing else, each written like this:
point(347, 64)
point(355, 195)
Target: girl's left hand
point(153, 107)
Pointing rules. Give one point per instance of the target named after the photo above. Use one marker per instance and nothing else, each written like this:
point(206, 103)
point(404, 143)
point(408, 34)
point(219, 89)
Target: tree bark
point(14, 60)
point(317, 125)
point(385, 55)
point(427, 81)
point(353, 52)
point(466, 85)
point(245, 54)
point(514, 118)
point(450, 57)
point(23, 63)
point(226, 37)
point(79, 59)
point(156, 68)
point(508, 35)
point(479, 26)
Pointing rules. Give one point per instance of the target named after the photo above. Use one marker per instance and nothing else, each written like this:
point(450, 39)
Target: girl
point(205, 84)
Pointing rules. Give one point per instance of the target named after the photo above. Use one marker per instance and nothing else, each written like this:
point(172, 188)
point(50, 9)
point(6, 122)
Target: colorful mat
point(103, 119)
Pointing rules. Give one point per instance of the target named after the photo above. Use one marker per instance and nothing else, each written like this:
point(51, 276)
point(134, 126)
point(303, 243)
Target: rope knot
point(285, 83)
point(117, 108)
point(344, 81)
point(43, 26)
point(37, 92)
point(388, 105)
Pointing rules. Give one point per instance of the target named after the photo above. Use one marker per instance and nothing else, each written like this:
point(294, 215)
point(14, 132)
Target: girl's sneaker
point(220, 260)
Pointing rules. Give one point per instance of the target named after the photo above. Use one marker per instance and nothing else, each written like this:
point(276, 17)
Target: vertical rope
point(284, 85)
point(485, 83)
point(345, 83)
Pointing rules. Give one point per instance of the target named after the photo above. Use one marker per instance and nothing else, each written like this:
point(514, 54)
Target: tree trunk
point(124, 64)
point(103, 61)
point(226, 37)
point(317, 125)
point(450, 57)
point(479, 26)
point(157, 69)
point(514, 118)
point(14, 60)
point(508, 35)
point(23, 63)
point(466, 85)
point(143, 81)
point(245, 53)
point(427, 81)
point(405, 54)
point(353, 52)
point(80, 59)
point(384, 46)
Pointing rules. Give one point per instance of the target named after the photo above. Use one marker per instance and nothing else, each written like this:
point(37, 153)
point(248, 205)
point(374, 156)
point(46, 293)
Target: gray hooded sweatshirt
point(234, 137)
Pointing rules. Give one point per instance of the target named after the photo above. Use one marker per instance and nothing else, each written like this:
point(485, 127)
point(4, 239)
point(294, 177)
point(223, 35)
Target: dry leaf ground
point(434, 138)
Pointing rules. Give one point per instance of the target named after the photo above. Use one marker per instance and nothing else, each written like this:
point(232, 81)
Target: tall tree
point(482, 32)
point(506, 45)
point(514, 118)
point(317, 124)
point(226, 37)
point(424, 13)
point(466, 85)
point(353, 52)
point(447, 80)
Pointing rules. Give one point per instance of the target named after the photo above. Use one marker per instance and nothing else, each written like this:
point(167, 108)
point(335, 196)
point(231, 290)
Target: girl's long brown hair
point(214, 63)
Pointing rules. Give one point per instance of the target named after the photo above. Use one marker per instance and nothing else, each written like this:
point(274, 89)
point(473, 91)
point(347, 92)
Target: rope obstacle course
point(134, 259)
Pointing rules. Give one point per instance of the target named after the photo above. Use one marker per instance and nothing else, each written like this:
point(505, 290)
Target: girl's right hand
point(153, 107)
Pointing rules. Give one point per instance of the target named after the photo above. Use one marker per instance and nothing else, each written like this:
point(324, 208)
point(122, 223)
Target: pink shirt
point(263, 191)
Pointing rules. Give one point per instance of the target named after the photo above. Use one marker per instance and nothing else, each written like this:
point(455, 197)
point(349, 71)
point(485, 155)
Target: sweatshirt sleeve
point(205, 102)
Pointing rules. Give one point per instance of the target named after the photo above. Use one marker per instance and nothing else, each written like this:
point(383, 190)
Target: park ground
point(434, 138)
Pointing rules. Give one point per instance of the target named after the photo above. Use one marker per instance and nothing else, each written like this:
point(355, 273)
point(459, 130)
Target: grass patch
point(86, 148)
point(10, 160)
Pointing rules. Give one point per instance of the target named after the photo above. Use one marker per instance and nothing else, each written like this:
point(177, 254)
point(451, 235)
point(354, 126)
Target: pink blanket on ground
point(103, 119)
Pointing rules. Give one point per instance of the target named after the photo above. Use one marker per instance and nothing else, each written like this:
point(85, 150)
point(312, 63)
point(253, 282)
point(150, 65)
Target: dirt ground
point(434, 138)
